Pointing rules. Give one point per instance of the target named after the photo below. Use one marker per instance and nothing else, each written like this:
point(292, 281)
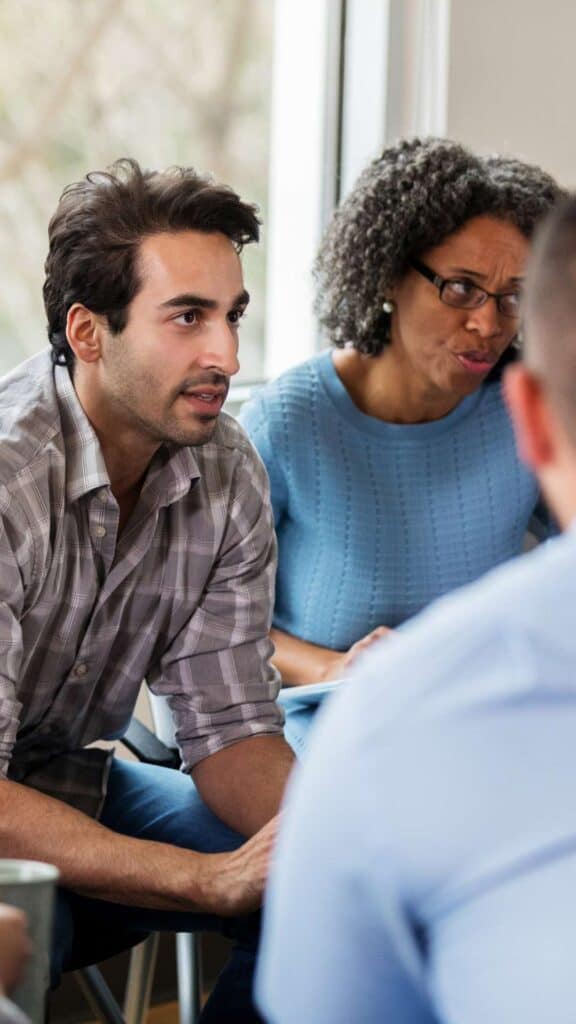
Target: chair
point(159, 749)
point(188, 950)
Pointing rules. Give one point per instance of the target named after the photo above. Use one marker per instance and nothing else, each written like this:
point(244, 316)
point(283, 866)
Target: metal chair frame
point(149, 749)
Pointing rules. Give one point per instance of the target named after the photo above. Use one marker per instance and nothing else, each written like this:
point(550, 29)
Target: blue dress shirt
point(426, 870)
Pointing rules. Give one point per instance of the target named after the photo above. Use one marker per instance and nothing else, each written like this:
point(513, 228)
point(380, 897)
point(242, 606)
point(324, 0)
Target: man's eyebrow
point(188, 300)
point(466, 272)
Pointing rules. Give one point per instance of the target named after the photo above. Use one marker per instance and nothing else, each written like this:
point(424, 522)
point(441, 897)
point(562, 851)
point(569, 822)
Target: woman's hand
point(300, 662)
point(341, 662)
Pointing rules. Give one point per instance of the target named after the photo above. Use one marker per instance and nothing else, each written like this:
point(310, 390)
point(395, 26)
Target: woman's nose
point(486, 319)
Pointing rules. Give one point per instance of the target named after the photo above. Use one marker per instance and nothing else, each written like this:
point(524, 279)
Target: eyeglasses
point(464, 294)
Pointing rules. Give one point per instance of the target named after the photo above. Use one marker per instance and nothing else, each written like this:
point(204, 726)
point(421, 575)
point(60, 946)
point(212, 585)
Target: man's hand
point(106, 865)
point(15, 946)
point(239, 877)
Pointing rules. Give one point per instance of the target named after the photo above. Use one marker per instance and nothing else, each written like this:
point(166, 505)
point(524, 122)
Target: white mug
point(29, 885)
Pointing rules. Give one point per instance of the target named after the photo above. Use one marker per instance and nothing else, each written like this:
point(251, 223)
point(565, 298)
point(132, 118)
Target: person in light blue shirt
point(426, 869)
point(394, 476)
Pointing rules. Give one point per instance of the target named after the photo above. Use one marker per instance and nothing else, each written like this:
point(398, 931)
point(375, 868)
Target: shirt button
point(80, 669)
point(103, 494)
point(100, 531)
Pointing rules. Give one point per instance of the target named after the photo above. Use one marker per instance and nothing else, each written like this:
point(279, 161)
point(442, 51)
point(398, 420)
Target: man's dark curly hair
point(99, 224)
point(406, 201)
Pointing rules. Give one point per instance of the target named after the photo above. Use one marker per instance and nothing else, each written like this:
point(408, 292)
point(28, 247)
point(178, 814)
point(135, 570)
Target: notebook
point(306, 696)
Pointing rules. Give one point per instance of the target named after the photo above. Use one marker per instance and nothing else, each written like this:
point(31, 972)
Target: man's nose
point(220, 350)
point(486, 320)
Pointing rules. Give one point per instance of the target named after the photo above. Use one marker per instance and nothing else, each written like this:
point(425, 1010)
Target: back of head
point(100, 222)
point(551, 311)
point(408, 200)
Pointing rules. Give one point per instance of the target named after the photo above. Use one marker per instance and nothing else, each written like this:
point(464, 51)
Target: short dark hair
point(408, 200)
point(100, 222)
point(551, 310)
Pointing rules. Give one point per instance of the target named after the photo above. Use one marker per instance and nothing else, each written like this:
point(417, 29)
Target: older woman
point(393, 470)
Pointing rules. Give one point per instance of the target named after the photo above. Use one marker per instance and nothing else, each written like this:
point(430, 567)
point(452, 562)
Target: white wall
point(512, 80)
point(499, 75)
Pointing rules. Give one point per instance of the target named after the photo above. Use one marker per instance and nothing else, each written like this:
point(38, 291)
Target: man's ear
point(84, 331)
point(532, 417)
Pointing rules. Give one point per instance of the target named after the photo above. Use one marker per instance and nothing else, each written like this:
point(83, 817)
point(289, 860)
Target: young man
point(430, 845)
point(136, 542)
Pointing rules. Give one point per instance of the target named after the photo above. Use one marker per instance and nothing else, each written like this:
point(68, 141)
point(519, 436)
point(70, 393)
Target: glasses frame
point(441, 282)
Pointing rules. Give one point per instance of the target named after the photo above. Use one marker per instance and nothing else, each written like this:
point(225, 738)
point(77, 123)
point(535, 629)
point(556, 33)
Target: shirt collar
point(173, 471)
point(171, 474)
point(85, 466)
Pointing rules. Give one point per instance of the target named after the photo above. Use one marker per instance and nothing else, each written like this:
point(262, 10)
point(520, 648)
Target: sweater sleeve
point(257, 418)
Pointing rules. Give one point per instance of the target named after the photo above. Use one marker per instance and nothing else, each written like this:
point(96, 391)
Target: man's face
point(166, 375)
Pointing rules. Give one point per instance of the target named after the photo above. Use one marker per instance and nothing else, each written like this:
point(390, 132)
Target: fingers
point(379, 631)
point(241, 876)
point(365, 642)
point(268, 832)
point(259, 848)
point(15, 946)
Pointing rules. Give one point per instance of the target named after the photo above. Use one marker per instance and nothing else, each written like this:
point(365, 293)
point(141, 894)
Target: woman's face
point(450, 351)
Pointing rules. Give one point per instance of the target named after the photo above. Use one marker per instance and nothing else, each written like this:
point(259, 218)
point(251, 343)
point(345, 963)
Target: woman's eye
point(461, 288)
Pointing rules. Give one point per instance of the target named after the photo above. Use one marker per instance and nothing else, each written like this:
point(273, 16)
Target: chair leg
point(140, 978)
point(189, 964)
point(98, 995)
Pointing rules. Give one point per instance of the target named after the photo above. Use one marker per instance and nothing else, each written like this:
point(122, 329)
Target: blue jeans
point(163, 805)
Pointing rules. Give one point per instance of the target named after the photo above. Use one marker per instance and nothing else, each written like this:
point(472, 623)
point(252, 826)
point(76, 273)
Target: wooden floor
point(167, 1013)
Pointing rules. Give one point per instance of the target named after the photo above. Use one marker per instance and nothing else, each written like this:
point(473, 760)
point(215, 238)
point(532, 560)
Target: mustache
point(212, 378)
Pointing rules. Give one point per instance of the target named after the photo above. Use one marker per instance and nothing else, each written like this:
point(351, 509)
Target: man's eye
point(235, 316)
point(189, 317)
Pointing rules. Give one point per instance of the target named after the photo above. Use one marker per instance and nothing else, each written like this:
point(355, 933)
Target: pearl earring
point(388, 306)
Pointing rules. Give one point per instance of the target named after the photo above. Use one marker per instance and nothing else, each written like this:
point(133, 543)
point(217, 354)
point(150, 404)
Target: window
point(83, 82)
point(286, 100)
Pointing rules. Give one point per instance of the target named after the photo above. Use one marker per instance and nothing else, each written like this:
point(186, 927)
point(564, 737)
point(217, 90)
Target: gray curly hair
point(405, 202)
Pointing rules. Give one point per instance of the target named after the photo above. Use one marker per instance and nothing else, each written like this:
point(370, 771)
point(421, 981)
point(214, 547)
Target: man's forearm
point(102, 864)
point(244, 783)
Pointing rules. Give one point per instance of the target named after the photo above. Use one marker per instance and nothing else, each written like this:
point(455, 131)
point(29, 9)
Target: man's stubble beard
point(127, 400)
point(168, 432)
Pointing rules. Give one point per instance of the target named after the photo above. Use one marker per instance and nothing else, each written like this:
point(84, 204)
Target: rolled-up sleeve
point(216, 672)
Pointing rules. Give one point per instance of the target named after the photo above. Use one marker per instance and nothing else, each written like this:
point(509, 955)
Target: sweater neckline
point(341, 400)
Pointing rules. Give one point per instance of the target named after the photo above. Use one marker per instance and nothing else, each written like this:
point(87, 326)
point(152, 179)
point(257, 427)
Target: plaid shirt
point(182, 598)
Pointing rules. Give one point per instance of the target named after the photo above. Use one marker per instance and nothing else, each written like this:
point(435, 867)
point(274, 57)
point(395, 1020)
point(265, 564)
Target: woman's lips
point(475, 362)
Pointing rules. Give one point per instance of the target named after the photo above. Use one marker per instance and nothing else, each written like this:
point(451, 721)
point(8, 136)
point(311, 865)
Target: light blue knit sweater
point(375, 520)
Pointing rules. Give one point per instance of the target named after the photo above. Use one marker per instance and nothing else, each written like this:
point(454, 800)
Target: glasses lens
point(462, 294)
point(509, 304)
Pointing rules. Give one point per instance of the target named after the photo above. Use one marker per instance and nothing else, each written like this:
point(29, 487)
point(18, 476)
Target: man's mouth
point(205, 400)
point(476, 362)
